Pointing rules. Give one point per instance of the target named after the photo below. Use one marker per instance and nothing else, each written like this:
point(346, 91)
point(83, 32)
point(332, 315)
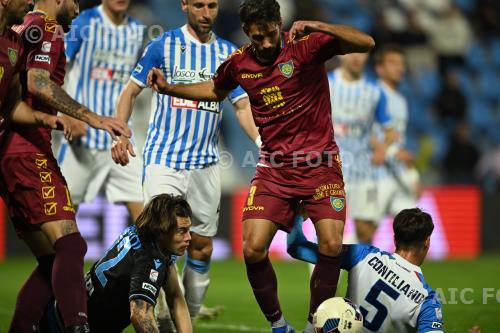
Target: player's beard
point(16, 15)
point(64, 18)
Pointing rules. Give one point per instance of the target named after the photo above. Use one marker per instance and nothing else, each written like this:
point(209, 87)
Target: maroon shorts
point(35, 190)
point(275, 194)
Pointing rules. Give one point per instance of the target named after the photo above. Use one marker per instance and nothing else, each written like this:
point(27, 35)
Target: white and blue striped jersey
point(102, 56)
point(356, 107)
point(183, 134)
point(391, 292)
point(397, 107)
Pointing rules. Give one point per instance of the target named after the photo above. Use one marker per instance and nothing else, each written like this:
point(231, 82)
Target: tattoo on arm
point(142, 317)
point(54, 96)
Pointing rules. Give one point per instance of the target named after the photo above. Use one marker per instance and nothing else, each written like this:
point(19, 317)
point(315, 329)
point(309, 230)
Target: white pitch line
point(231, 327)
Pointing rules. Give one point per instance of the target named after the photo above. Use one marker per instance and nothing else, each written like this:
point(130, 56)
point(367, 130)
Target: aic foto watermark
point(468, 296)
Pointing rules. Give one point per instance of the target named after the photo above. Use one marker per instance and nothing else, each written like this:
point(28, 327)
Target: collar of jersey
point(39, 11)
point(407, 263)
point(191, 38)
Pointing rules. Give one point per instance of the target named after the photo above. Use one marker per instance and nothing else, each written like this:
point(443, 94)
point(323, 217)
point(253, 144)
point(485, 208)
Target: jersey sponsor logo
point(187, 75)
point(328, 190)
point(439, 313)
point(337, 203)
point(149, 287)
point(138, 68)
point(252, 75)
point(286, 68)
point(153, 275)
point(273, 97)
point(46, 46)
point(436, 324)
point(42, 58)
point(157, 263)
point(12, 56)
point(188, 104)
point(2, 72)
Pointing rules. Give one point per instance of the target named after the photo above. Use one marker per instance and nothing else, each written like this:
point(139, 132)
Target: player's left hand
point(55, 122)
point(115, 127)
point(120, 150)
point(301, 28)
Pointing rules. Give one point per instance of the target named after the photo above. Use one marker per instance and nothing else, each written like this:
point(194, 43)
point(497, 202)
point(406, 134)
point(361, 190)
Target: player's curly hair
point(160, 215)
point(411, 228)
point(259, 12)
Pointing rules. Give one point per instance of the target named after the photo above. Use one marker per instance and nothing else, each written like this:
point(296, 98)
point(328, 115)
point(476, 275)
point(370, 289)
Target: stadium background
point(452, 85)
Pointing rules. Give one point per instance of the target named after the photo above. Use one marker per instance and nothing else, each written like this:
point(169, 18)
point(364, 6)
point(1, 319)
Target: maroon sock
point(265, 288)
point(33, 297)
point(68, 281)
point(324, 281)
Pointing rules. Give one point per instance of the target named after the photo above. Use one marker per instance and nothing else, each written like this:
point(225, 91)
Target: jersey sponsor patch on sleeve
point(46, 46)
point(42, 58)
point(149, 287)
point(437, 325)
point(153, 275)
point(138, 68)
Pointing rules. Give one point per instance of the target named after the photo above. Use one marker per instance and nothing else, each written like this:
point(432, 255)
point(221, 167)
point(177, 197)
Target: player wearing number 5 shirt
point(285, 78)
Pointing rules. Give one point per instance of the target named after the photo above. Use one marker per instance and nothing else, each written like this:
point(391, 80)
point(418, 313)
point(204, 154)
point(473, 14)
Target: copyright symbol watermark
point(226, 160)
point(33, 34)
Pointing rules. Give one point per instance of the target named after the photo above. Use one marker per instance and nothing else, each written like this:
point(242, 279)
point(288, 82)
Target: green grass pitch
point(478, 281)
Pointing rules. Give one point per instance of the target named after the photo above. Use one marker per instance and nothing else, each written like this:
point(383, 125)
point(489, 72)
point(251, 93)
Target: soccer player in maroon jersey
point(38, 201)
point(285, 78)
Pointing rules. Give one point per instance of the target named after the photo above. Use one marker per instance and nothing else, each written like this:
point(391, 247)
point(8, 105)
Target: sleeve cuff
point(138, 82)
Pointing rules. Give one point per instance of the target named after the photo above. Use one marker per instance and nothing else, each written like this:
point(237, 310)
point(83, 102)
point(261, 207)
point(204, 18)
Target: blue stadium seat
point(478, 56)
point(427, 83)
point(495, 52)
point(480, 116)
point(488, 84)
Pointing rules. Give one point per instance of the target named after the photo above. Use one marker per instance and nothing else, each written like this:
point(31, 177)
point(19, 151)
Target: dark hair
point(259, 12)
point(160, 215)
point(384, 50)
point(411, 228)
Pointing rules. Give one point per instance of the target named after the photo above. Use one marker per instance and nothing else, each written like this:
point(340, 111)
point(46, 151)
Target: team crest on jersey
point(337, 203)
point(286, 68)
point(12, 56)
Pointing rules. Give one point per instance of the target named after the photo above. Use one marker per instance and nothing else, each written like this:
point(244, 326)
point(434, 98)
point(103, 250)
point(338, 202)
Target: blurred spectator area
point(452, 85)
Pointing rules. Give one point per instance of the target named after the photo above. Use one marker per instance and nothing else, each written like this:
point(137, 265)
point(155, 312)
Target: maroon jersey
point(44, 48)
point(10, 64)
point(290, 99)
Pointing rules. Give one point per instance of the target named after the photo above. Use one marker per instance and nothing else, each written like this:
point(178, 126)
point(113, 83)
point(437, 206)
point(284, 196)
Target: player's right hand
point(157, 81)
point(78, 128)
point(115, 127)
point(120, 150)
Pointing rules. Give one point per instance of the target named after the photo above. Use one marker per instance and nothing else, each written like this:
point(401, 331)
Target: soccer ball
point(338, 315)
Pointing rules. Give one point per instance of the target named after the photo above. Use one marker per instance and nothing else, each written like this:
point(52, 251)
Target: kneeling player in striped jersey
point(390, 287)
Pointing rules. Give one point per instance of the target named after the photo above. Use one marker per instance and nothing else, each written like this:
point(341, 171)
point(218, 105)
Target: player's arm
point(177, 304)
point(22, 113)
point(351, 40)
point(123, 147)
point(245, 119)
point(202, 91)
point(43, 88)
point(142, 316)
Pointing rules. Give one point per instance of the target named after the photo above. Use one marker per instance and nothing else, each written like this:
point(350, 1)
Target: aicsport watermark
point(468, 296)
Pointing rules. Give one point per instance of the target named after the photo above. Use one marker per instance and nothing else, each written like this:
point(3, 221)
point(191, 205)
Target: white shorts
point(362, 200)
point(398, 194)
point(200, 187)
point(88, 170)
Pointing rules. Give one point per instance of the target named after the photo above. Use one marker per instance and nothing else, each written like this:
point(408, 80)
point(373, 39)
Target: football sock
point(324, 281)
point(196, 281)
point(297, 244)
point(309, 328)
point(279, 323)
point(33, 297)
point(68, 281)
point(263, 280)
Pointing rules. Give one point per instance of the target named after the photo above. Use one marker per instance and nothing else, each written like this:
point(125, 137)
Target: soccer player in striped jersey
point(102, 49)
point(400, 190)
point(181, 151)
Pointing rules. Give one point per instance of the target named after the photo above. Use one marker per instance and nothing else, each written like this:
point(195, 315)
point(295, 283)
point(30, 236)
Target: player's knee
point(201, 248)
point(330, 247)
point(254, 252)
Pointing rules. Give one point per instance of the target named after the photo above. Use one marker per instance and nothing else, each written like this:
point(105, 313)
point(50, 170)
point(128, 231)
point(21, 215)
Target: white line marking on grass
point(231, 327)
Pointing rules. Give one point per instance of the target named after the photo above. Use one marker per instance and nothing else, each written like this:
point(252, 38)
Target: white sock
point(309, 328)
point(279, 323)
point(195, 287)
